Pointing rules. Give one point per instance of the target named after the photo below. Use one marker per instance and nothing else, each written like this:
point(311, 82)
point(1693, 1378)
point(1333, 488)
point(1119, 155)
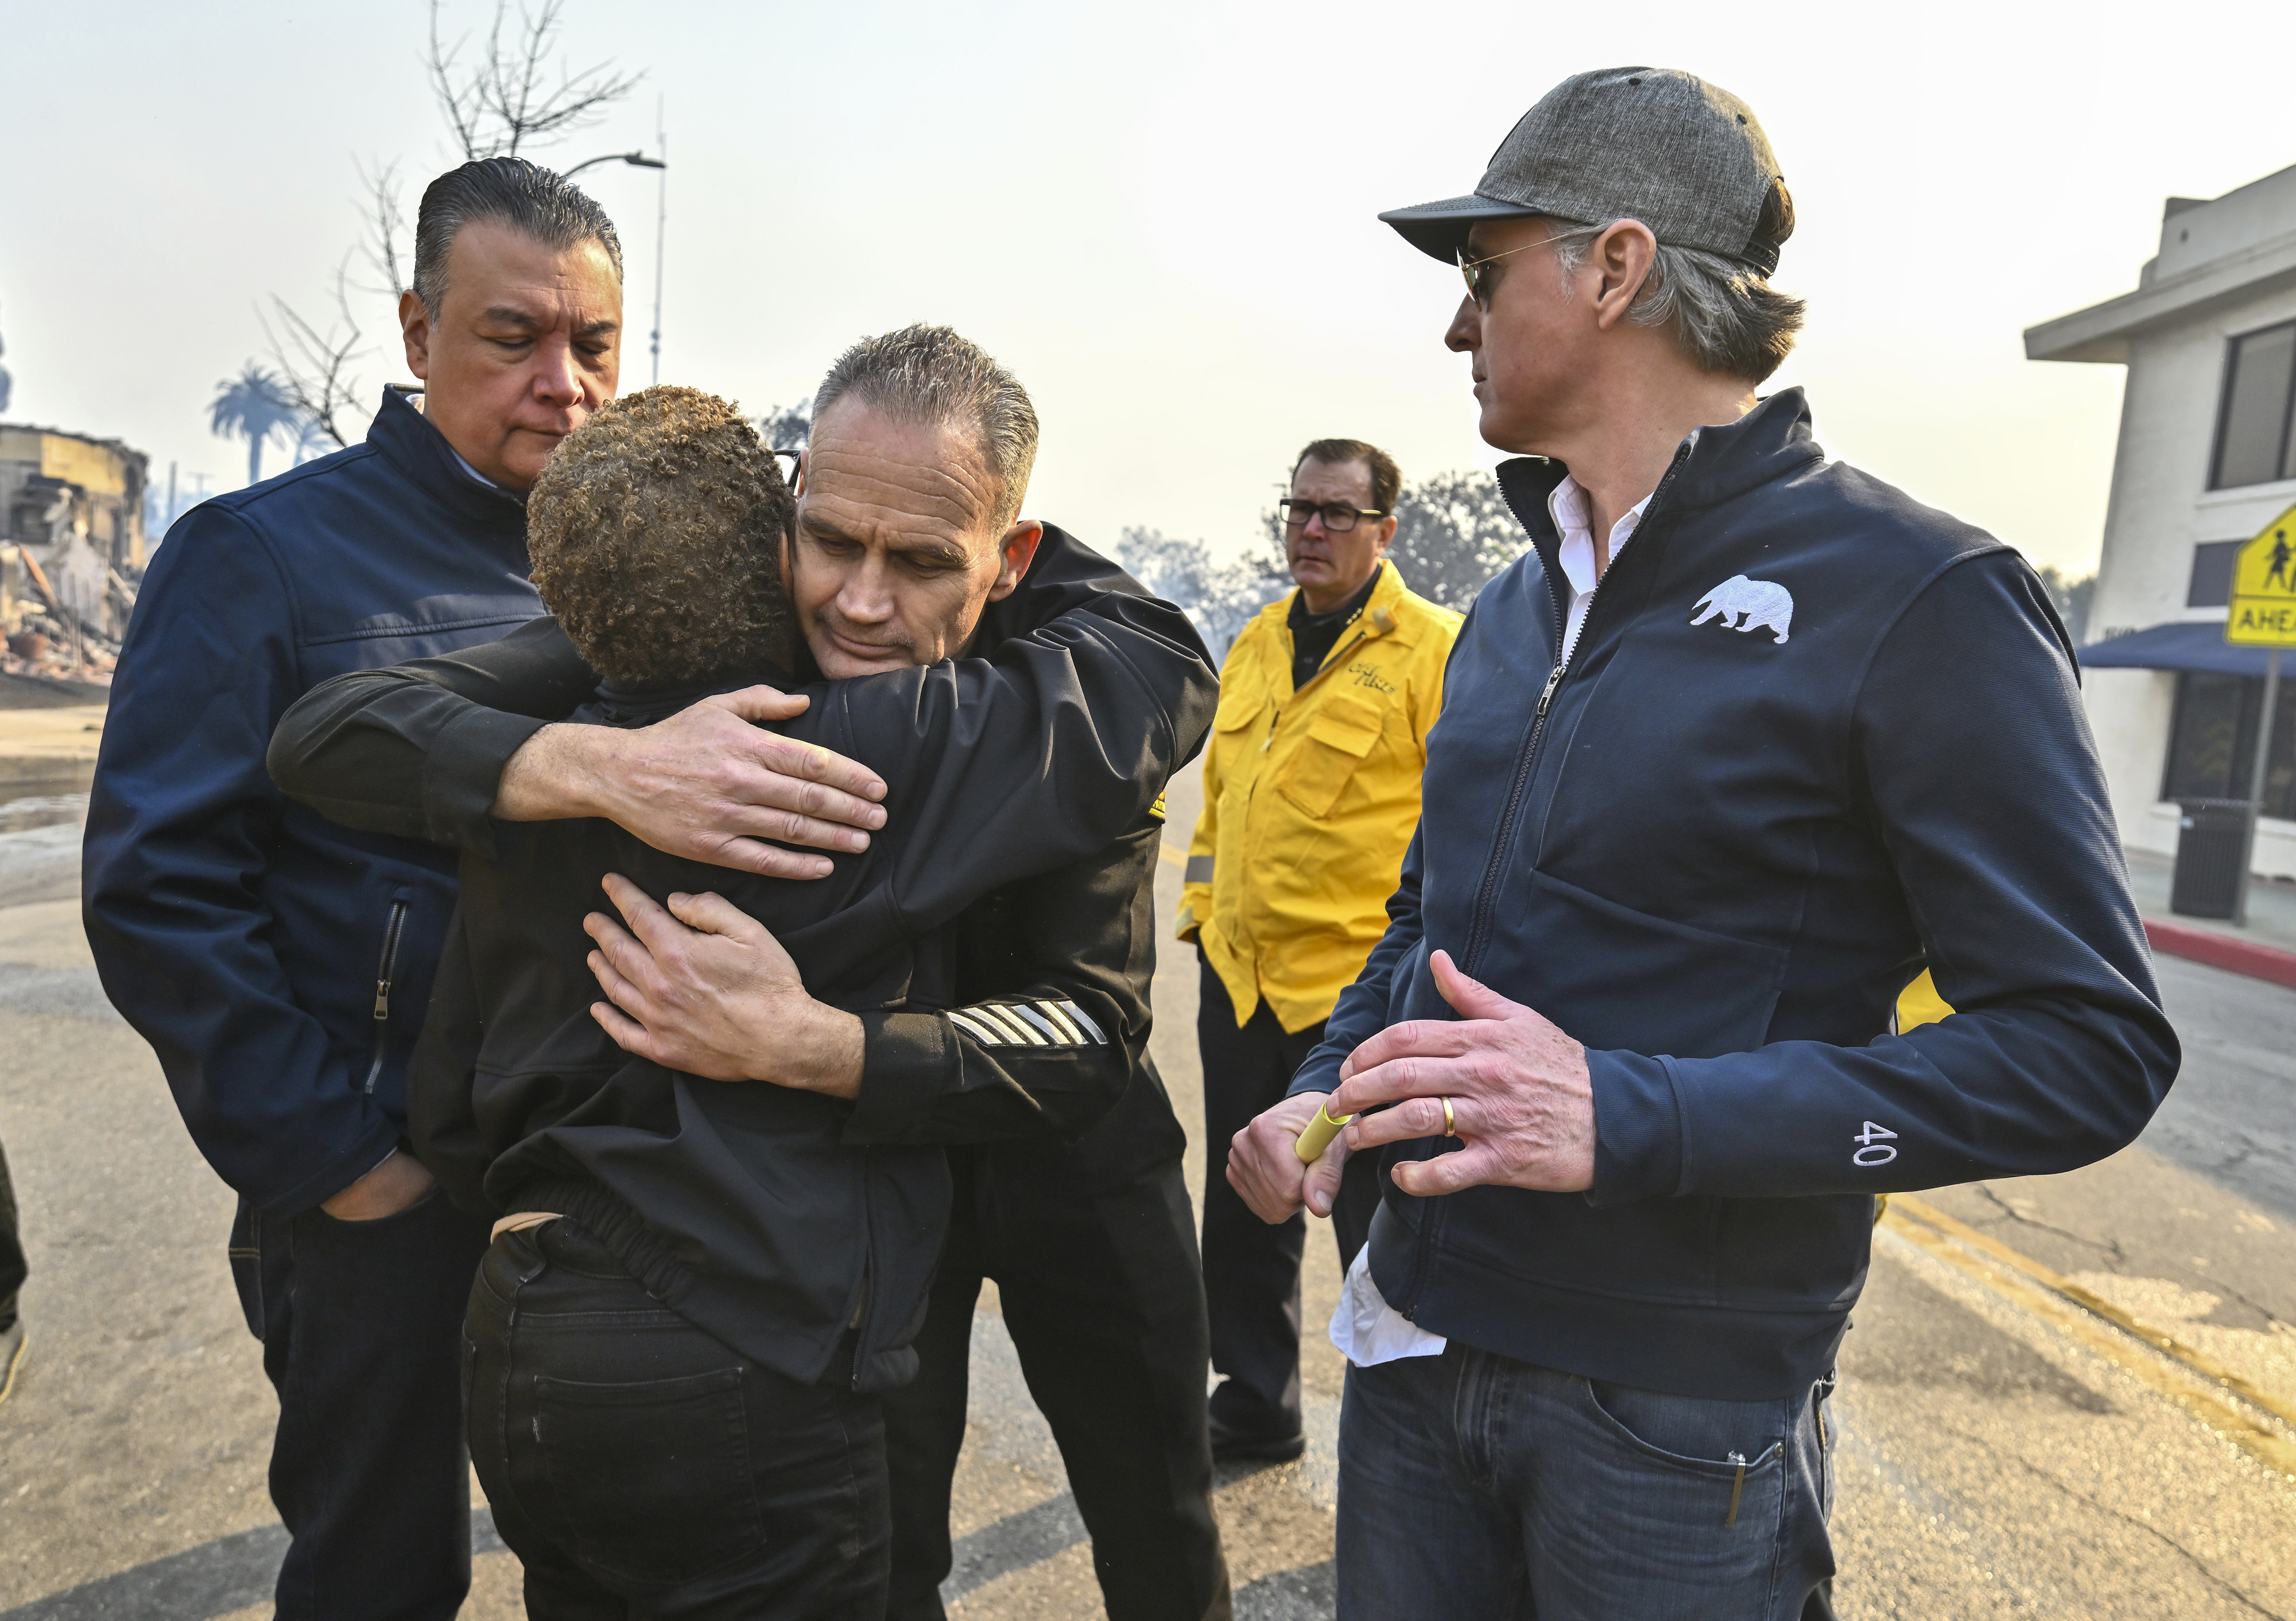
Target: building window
point(2212, 743)
point(2259, 400)
point(2212, 564)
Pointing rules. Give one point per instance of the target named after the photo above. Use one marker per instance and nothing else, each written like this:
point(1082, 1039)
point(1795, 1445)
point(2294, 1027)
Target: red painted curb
point(2223, 951)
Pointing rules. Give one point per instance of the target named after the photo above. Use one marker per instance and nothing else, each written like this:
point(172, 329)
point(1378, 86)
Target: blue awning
point(2178, 647)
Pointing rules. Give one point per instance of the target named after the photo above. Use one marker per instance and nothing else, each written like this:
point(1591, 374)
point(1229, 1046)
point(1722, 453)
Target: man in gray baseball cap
point(1683, 157)
point(1746, 740)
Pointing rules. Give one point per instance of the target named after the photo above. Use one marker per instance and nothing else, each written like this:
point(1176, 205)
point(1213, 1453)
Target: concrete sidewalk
point(2271, 902)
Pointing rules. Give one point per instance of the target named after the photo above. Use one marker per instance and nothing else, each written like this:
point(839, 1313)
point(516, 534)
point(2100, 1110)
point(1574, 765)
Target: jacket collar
point(621, 707)
point(1773, 441)
point(1379, 613)
point(1378, 619)
point(420, 452)
point(1712, 466)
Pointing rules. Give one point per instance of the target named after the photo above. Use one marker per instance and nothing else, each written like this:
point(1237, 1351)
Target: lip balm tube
point(1317, 1137)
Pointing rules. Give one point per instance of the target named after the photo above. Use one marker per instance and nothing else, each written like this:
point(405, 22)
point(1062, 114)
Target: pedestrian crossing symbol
point(2264, 588)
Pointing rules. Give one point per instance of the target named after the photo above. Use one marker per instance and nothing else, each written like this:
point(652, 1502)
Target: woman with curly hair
point(657, 534)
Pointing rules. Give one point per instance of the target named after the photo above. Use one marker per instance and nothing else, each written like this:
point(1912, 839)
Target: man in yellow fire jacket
point(1311, 792)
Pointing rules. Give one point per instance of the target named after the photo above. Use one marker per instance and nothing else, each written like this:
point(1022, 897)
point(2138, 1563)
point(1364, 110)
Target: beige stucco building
point(2207, 456)
point(72, 514)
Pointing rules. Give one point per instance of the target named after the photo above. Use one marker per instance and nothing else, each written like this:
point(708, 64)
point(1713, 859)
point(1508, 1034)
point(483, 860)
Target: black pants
point(639, 1467)
point(11, 1253)
point(359, 1322)
point(1252, 1269)
point(1105, 1303)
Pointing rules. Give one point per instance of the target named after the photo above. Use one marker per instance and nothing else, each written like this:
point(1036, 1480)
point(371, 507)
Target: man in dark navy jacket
point(1744, 743)
point(279, 965)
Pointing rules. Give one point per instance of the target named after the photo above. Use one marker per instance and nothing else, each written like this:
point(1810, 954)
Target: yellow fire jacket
point(1310, 799)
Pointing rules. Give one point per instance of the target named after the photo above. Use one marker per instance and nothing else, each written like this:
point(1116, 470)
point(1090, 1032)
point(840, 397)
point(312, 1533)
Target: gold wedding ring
point(1450, 1120)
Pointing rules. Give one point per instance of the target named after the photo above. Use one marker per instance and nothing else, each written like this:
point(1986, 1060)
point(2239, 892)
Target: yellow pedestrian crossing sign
point(2264, 588)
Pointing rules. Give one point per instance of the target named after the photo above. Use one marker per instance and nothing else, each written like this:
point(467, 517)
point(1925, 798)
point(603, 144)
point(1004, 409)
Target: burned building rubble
point(71, 544)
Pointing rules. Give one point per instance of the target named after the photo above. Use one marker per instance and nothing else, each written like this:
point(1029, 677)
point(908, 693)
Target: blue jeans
point(1477, 1488)
point(359, 1322)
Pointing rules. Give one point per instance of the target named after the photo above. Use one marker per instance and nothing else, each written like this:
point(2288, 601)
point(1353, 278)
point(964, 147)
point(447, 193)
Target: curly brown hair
point(656, 533)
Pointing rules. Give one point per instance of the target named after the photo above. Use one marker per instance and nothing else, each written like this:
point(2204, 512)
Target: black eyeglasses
point(793, 455)
point(1338, 518)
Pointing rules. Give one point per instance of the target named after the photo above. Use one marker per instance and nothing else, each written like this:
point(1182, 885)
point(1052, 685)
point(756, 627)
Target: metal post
point(661, 225)
point(2256, 784)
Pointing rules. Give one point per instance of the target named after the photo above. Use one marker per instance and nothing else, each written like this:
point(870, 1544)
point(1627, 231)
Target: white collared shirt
point(1367, 1329)
point(1568, 507)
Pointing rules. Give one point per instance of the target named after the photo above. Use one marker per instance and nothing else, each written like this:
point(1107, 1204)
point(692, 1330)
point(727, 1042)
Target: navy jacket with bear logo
point(1814, 737)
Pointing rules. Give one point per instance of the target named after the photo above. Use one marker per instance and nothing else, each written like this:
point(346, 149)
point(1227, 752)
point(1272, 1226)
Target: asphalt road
point(2001, 1453)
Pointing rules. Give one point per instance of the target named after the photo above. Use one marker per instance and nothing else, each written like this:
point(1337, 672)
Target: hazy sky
point(1162, 217)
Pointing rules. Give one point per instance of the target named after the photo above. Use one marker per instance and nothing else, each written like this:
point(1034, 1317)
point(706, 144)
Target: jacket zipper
point(1478, 927)
point(384, 971)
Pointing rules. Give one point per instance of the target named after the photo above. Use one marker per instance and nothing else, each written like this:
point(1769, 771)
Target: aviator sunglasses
point(1479, 285)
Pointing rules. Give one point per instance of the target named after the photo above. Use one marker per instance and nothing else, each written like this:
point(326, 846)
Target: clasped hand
point(699, 984)
point(1521, 1099)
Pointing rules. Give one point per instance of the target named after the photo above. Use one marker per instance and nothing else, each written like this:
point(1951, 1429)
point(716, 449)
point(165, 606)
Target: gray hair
point(525, 196)
point(930, 376)
point(1726, 317)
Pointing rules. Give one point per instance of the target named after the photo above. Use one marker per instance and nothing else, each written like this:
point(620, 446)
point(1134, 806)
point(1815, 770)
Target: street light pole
point(636, 159)
point(2256, 785)
point(660, 227)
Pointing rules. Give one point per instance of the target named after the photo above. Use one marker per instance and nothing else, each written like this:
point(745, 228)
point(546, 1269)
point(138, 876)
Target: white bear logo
point(1743, 604)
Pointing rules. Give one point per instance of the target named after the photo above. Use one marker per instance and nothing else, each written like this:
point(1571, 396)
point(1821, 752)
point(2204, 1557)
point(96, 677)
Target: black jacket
point(1088, 925)
point(1715, 856)
point(240, 933)
point(756, 1212)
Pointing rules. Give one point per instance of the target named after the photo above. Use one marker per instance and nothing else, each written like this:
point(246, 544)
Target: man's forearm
point(556, 774)
point(699, 986)
point(822, 1051)
point(925, 1079)
point(417, 749)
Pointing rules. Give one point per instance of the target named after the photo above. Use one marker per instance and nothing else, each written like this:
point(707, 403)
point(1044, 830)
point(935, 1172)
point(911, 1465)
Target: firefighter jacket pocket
point(1242, 702)
point(1341, 732)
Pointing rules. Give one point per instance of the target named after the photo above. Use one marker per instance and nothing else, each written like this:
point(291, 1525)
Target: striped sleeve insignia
point(1157, 809)
point(1028, 1024)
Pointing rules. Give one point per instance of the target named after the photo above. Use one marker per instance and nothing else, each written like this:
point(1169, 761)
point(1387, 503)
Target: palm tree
point(253, 407)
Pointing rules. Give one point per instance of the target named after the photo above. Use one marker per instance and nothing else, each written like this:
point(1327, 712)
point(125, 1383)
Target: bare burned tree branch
point(503, 102)
point(463, 106)
point(386, 226)
point(314, 366)
point(495, 103)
